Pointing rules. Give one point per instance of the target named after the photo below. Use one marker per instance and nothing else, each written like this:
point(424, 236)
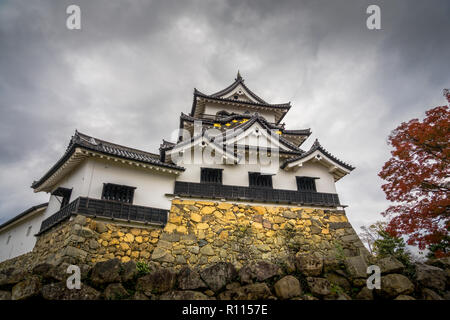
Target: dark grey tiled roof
point(300, 132)
point(238, 80)
point(223, 120)
point(90, 143)
point(166, 145)
point(285, 106)
point(252, 119)
point(317, 146)
point(23, 214)
point(257, 118)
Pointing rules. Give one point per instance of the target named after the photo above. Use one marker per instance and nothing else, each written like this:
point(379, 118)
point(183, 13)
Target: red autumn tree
point(418, 179)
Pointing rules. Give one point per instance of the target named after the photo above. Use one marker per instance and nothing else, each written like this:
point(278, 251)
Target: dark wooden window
point(209, 175)
point(64, 195)
point(117, 192)
point(257, 179)
point(306, 184)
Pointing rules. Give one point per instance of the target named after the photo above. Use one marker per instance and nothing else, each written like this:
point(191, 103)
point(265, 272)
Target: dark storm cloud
point(130, 71)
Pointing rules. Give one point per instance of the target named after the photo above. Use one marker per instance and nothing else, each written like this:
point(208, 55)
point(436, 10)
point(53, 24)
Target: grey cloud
point(130, 71)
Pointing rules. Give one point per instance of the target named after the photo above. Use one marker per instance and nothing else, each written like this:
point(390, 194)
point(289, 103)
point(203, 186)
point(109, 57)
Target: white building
point(232, 146)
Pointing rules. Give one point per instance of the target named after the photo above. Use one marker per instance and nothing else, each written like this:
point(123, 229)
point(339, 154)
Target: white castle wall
point(238, 175)
point(88, 179)
point(19, 242)
point(151, 186)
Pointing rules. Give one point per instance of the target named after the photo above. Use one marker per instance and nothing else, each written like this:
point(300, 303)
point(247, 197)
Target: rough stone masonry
point(214, 250)
point(200, 233)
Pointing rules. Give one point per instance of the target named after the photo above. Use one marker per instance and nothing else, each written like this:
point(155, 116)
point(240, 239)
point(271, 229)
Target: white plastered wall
point(151, 186)
point(20, 242)
point(238, 175)
point(86, 180)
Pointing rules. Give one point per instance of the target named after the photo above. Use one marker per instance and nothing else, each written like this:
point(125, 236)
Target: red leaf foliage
point(418, 178)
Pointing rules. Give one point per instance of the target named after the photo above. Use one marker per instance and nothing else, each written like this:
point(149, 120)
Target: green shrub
point(143, 268)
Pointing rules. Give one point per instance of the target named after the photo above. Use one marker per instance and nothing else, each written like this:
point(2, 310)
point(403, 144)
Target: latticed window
point(257, 179)
point(306, 184)
point(117, 192)
point(209, 175)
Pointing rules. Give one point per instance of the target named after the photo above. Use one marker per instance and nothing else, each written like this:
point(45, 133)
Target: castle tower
point(236, 186)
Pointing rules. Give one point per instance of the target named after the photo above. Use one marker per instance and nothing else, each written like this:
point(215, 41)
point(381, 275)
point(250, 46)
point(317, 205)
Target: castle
point(234, 186)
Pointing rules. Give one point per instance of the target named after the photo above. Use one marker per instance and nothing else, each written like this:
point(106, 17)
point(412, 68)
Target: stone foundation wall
point(202, 232)
point(198, 234)
point(308, 277)
point(90, 240)
point(216, 250)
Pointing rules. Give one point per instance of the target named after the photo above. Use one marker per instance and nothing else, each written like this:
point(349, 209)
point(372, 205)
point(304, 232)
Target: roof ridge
point(83, 141)
point(317, 146)
point(257, 117)
point(23, 213)
point(243, 126)
point(239, 80)
point(265, 104)
point(226, 119)
point(117, 145)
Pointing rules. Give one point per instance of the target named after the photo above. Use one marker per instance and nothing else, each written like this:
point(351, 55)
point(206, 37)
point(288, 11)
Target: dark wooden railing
point(106, 209)
point(218, 191)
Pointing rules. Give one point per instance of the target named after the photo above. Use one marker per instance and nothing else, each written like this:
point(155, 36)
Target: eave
point(78, 155)
point(317, 154)
point(23, 216)
point(200, 99)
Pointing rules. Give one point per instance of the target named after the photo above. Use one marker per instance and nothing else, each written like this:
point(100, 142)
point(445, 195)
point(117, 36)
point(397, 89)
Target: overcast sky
point(129, 72)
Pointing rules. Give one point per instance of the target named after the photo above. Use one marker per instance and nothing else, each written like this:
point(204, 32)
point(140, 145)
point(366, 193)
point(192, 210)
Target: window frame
point(308, 180)
point(29, 230)
point(65, 194)
point(253, 181)
point(128, 192)
point(218, 170)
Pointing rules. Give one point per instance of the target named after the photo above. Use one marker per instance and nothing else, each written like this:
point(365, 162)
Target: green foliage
point(370, 233)
point(340, 255)
point(388, 245)
point(336, 290)
point(354, 291)
point(143, 268)
point(440, 249)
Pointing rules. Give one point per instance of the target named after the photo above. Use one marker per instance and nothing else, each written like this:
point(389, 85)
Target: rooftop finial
point(316, 143)
point(238, 77)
